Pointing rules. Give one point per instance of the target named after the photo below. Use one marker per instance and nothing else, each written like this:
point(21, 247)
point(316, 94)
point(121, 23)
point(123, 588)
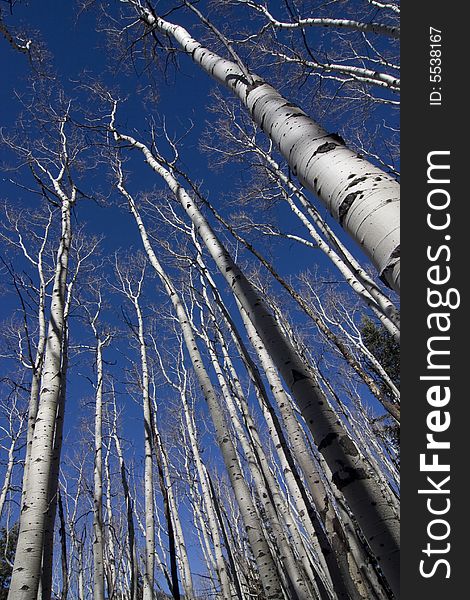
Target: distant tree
point(384, 347)
point(8, 539)
point(387, 351)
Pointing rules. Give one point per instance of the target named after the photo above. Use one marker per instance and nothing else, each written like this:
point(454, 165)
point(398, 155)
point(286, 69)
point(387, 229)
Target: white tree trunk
point(110, 561)
point(334, 339)
point(133, 567)
point(98, 542)
point(208, 503)
point(38, 361)
point(303, 504)
point(335, 530)
point(28, 558)
point(258, 449)
point(148, 475)
point(361, 197)
point(348, 266)
point(182, 554)
point(9, 470)
point(287, 472)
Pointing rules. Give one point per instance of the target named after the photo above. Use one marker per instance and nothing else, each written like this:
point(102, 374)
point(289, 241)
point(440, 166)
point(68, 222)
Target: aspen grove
point(200, 269)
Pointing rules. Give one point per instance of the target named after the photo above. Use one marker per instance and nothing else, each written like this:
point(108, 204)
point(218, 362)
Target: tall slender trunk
point(208, 502)
point(48, 546)
point(28, 558)
point(8, 472)
point(172, 579)
point(37, 367)
point(354, 274)
point(81, 576)
point(287, 467)
point(98, 541)
point(63, 547)
point(334, 339)
point(110, 562)
point(129, 515)
point(35, 382)
point(238, 575)
point(266, 487)
point(182, 554)
point(309, 516)
point(148, 467)
point(338, 542)
point(363, 198)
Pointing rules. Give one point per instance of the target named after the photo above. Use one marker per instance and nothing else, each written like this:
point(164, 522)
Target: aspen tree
point(319, 322)
point(242, 138)
point(131, 287)
point(132, 556)
point(28, 558)
point(81, 250)
point(363, 198)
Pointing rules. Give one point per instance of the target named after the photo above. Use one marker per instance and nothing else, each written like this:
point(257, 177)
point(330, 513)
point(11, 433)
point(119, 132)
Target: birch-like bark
point(267, 569)
point(27, 566)
point(71, 515)
point(63, 547)
point(182, 554)
point(240, 576)
point(335, 530)
point(361, 562)
point(308, 516)
point(98, 529)
point(35, 363)
point(45, 592)
point(16, 423)
point(240, 399)
point(129, 511)
point(172, 576)
point(336, 341)
point(267, 487)
point(220, 567)
point(386, 6)
point(110, 550)
point(48, 545)
point(281, 448)
point(149, 500)
point(329, 244)
point(134, 296)
point(377, 519)
point(8, 472)
point(39, 358)
point(361, 197)
point(278, 498)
